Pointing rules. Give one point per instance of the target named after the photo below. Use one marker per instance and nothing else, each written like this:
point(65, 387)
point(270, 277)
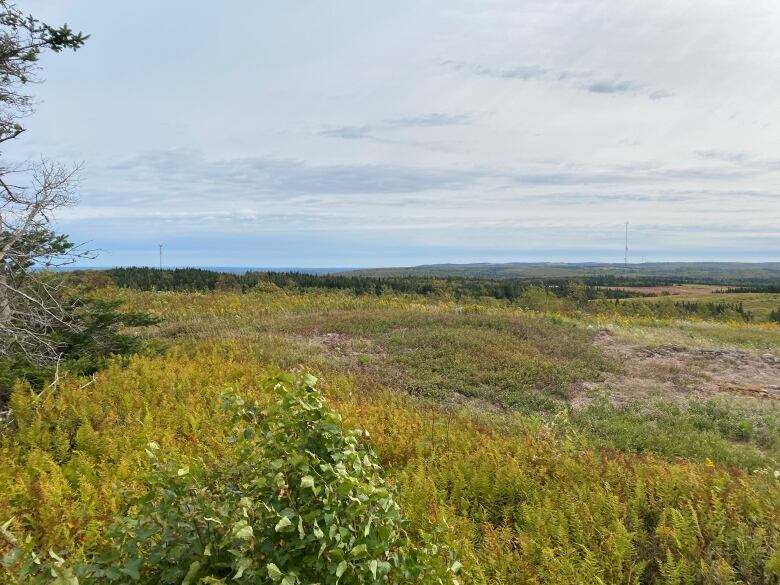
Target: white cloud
point(436, 116)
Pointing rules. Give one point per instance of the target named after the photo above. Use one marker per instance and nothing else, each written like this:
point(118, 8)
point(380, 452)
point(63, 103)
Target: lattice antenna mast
point(625, 258)
point(160, 247)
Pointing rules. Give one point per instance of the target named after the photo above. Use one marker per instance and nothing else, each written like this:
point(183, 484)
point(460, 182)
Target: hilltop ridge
point(720, 272)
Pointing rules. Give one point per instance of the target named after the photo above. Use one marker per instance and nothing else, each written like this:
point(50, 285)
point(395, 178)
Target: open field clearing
point(547, 447)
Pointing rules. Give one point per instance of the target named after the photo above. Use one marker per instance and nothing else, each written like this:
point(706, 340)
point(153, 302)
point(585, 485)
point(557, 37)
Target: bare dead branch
point(30, 195)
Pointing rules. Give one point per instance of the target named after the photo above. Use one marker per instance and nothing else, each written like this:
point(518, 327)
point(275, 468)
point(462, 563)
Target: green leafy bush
point(301, 500)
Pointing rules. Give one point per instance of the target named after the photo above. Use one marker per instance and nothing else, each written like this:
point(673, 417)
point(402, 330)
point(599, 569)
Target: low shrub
point(299, 500)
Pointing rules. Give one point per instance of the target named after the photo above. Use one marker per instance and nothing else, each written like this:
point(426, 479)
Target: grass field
point(475, 411)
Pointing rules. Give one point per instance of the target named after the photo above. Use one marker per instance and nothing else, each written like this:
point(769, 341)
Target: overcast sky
point(354, 133)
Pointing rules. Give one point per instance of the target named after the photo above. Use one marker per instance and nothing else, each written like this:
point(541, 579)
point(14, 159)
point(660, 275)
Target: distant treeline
point(650, 274)
point(547, 294)
point(714, 310)
point(766, 288)
point(666, 308)
point(196, 279)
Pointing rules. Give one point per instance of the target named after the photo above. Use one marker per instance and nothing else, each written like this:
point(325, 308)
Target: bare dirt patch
point(675, 372)
point(341, 344)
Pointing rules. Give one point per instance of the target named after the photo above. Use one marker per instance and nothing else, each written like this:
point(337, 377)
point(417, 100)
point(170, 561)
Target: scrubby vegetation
point(460, 430)
point(588, 293)
point(467, 406)
point(737, 433)
point(104, 331)
point(196, 279)
point(297, 500)
point(667, 308)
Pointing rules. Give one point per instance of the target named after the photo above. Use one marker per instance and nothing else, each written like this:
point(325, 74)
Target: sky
point(353, 133)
